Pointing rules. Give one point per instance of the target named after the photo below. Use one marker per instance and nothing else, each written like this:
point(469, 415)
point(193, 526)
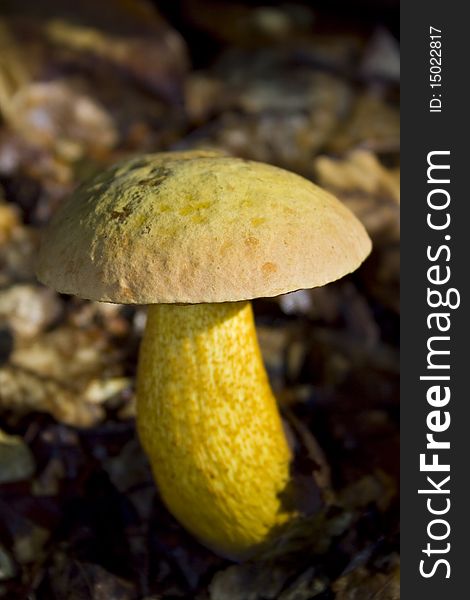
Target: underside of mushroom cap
point(197, 227)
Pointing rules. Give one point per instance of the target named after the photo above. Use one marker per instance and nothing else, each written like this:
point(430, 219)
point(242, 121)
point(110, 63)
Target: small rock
point(382, 57)
point(296, 303)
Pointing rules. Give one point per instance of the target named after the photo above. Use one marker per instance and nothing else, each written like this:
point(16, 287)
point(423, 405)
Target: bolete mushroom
point(196, 235)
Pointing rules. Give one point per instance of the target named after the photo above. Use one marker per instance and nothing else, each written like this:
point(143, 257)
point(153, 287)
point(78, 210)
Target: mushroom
point(196, 235)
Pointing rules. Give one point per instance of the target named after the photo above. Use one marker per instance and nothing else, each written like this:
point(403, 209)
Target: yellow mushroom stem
point(209, 423)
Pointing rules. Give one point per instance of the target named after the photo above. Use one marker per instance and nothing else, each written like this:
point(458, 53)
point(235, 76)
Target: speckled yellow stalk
point(209, 423)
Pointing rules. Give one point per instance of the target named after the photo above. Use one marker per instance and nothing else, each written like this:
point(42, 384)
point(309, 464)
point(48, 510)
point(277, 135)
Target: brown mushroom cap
point(196, 227)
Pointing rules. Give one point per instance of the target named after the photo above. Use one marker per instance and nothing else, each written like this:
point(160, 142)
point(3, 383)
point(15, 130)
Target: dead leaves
point(360, 172)
point(372, 192)
point(67, 373)
point(23, 392)
point(56, 116)
point(16, 460)
point(373, 124)
point(28, 310)
point(361, 584)
point(81, 512)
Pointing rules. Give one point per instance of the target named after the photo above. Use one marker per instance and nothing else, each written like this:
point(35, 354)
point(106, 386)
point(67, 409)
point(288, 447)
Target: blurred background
point(309, 86)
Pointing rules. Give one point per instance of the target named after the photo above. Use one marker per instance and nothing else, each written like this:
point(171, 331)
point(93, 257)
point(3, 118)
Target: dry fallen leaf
point(68, 355)
point(54, 115)
point(16, 460)
point(359, 172)
point(282, 118)
point(28, 309)
point(248, 582)
point(373, 124)
point(22, 392)
point(362, 584)
point(9, 221)
point(372, 192)
point(17, 255)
